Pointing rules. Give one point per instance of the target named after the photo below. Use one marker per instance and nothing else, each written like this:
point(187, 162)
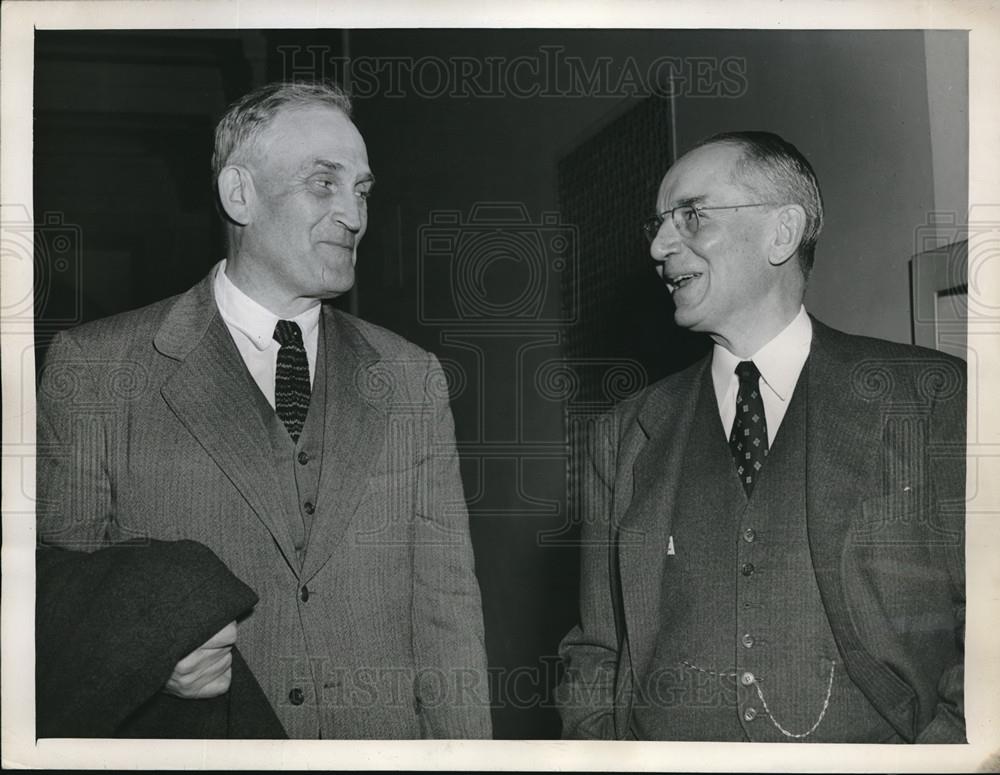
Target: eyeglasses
point(686, 218)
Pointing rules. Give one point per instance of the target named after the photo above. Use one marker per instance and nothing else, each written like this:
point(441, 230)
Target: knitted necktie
point(748, 439)
point(291, 378)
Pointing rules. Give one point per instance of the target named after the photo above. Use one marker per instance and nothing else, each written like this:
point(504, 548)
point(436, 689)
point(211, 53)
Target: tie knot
point(747, 371)
point(288, 333)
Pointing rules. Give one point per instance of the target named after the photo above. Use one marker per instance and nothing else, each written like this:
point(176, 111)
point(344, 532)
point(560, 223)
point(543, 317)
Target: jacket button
point(747, 640)
point(749, 714)
point(296, 696)
point(303, 457)
point(747, 678)
point(747, 569)
point(308, 507)
point(304, 593)
point(749, 535)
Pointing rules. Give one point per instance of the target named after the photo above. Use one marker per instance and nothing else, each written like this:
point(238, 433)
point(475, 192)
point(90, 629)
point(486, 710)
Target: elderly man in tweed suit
point(773, 538)
point(311, 451)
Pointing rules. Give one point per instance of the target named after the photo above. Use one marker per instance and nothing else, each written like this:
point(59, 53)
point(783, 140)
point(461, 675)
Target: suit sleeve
point(591, 650)
point(449, 642)
point(74, 491)
point(948, 435)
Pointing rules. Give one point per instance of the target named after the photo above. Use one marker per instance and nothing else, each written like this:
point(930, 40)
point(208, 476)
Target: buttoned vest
point(745, 650)
point(298, 466)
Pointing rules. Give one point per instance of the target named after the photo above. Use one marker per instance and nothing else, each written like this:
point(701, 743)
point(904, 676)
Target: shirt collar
point(255, 321)
point(779, 361)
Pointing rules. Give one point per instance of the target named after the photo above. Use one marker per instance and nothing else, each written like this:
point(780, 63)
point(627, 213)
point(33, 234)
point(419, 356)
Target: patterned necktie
point(291, 378)
point(748, 439)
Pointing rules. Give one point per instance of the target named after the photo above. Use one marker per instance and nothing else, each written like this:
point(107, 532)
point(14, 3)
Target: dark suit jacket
point(150, 426)
point(110, 626)
point(885, 520)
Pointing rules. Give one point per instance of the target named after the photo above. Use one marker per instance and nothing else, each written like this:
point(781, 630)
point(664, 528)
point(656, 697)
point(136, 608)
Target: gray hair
point(775, 170)
point(246, 118)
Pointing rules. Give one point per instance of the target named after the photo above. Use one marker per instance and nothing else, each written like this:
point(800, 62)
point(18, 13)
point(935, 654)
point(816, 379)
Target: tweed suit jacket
point(149, 427)
point(885, 493)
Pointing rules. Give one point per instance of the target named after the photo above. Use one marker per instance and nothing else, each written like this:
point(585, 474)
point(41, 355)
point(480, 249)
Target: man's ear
point(236, 193)
point(790, 226)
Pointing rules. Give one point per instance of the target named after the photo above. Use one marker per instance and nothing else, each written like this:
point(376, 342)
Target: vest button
point(749, 535)
point(308, 507)
point(749, 714)
point(296, 696)
point(747, 640)
point(746, 569)
point(747, 678)
point(303, 457)
point(304, 593)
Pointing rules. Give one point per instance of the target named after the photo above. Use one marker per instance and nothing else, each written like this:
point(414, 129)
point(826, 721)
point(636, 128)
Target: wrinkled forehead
point(306, 131)
point(702, 176)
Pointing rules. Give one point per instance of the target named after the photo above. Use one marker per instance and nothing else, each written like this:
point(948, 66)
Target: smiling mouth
point(676, 282)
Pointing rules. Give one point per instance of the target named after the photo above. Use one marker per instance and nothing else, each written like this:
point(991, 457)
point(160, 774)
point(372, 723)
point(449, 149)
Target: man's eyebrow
point(335, 166)
point(327, 164)
point(689, 201)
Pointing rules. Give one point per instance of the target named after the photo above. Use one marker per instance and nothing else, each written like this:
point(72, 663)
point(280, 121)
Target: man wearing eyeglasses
point(773, 539)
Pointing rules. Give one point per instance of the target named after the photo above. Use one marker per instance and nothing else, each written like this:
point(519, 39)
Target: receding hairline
point(249, 150)
point(737, 174)
point(253, 113)
point(745, 171)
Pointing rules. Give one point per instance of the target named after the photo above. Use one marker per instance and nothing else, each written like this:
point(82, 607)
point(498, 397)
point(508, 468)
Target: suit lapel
point(666, 419)
point(211, 394)
point(838, 424)
point(353, 435)
point(841, 421)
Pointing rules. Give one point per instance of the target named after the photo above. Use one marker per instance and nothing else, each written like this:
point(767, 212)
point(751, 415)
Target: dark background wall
point(469, 246)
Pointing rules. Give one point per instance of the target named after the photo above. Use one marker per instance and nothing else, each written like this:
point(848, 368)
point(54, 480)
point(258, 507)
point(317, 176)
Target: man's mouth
point(676, 282)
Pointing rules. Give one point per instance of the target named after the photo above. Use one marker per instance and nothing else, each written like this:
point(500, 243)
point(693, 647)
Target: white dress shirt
point(252, 328)
point(779, 362)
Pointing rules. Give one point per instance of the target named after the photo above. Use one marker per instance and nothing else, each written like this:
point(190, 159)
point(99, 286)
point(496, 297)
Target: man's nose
point(351, 211)
point(666, 241)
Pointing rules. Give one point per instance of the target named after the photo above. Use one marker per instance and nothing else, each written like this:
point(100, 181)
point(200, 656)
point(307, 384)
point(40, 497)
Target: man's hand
point(206, 671)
